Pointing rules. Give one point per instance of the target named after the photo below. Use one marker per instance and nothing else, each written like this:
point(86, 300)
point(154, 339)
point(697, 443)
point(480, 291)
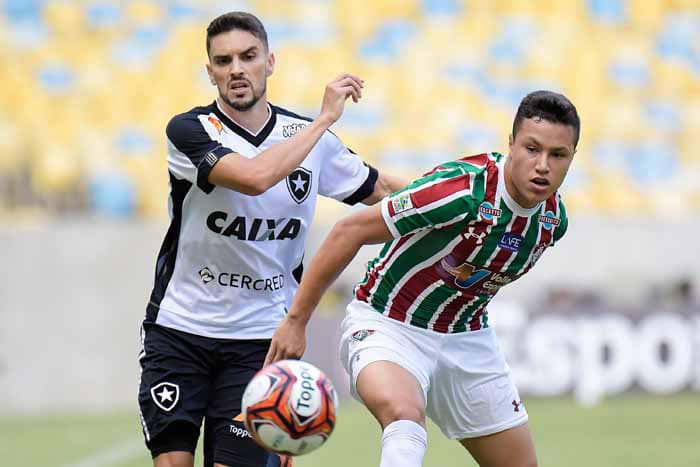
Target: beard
point(245, 105)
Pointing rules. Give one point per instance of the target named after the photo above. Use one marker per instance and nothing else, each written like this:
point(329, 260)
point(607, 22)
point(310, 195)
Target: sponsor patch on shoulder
point(362, 334)
point(402, 203)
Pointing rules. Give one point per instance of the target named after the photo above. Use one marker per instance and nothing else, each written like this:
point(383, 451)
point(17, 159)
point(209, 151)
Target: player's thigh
point(389, 362)
point(391, 393)
point(227, 441)
point(509, 448)
point(173, 390)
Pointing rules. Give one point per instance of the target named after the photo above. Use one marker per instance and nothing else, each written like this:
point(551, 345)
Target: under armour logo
point(478, 236)
point(516, 405)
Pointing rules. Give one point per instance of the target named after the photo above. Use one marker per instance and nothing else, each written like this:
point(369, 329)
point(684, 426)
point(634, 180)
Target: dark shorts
point(186, 378)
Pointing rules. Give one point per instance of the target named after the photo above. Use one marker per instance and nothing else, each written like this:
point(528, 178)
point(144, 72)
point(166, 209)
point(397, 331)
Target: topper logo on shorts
point(166, 395)
point(239, 431)
point(301, 181)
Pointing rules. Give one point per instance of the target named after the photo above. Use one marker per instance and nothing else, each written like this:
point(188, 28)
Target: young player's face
point(540, 156)
point(239, 64)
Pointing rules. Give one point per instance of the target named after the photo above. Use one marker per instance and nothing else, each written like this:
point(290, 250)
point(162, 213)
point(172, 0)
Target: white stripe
point(117, 453)
point(457, 317)
point(533, 249)
point(142, 354)
point(441, 308)
point(514, 254)
point(419, 299)
point(435, 204)
point(418, 266)
point(386, 262)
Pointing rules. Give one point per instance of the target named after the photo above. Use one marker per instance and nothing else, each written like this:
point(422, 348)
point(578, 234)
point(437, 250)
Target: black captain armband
point(366, 189)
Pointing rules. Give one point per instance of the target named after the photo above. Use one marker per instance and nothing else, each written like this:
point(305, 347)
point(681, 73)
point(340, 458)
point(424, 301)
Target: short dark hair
point(550, 106)
point(236, 20)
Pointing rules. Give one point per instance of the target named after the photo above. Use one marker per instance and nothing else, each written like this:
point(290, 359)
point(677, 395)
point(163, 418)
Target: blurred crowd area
point(88, 87)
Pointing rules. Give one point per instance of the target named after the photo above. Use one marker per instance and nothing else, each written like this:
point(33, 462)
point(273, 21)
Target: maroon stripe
point(465, 248)
point(411, 290)
point(518, 227)
point(478, 159)
point(440, 190)
point(475, 322)
point(364, 290)
point(448, 314)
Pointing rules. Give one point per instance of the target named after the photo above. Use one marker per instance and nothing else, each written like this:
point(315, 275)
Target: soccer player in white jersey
point(244, 178)
point(416, 338)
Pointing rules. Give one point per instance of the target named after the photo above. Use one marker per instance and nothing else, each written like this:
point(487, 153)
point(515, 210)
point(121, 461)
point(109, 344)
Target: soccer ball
point(289, 407)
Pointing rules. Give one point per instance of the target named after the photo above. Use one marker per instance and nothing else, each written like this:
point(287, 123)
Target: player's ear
point(270, 64)
point(510, 142)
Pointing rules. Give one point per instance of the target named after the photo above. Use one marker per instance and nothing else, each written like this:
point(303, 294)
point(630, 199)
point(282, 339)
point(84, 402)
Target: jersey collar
point(256, 139)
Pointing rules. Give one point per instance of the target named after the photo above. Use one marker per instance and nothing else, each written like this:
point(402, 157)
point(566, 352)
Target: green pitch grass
point(634, 431)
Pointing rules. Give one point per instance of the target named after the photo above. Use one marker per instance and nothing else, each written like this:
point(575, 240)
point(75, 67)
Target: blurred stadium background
point(605, 331)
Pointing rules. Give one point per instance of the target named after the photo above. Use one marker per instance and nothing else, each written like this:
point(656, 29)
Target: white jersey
point(230, 263)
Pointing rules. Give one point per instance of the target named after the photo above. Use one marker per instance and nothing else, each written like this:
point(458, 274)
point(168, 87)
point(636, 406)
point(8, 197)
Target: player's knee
point(392, 411)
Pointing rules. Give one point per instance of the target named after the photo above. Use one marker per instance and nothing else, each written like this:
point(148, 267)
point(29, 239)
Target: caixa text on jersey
point(254, 229)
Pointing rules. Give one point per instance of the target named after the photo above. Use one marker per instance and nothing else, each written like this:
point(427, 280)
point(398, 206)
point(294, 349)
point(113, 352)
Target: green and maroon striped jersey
point(458, 238)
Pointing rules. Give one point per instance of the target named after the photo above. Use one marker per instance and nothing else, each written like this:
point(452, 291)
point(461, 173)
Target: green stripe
point(528, 245)
point(461, 324)
point(423, 249)
point(439, 215)
point(429, 305)
point(494, 237)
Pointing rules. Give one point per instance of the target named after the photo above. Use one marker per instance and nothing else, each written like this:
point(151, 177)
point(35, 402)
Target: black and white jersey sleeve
point(194, 148)
point(344, 176)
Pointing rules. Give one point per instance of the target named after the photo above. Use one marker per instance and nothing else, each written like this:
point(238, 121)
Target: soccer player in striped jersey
point(416, 339)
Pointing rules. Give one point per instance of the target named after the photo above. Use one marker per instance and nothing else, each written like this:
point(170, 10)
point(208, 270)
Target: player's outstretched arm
point(386, 185)
point(338, 249)
point(255, 176)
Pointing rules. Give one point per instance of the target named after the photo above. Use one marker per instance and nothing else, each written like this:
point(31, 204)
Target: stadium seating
point(88, 87)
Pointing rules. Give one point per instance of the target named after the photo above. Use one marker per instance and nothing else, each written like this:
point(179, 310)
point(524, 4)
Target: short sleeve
point(344, 176)
point(192, 152)
point(442, 197)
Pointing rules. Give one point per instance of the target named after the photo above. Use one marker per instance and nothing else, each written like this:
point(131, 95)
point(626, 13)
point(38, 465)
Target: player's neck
point(252, 119)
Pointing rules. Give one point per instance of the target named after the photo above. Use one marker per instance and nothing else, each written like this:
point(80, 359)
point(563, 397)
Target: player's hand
point(337, 92)
point(288, 341)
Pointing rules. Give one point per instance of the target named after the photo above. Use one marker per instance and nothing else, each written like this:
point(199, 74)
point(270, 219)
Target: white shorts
point(465, 379)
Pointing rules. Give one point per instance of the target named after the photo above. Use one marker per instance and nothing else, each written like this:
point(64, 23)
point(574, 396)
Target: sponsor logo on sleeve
point(487, 211)
point(402, 203)
point(217, 123)
point(211, 159)
point(290, 130)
